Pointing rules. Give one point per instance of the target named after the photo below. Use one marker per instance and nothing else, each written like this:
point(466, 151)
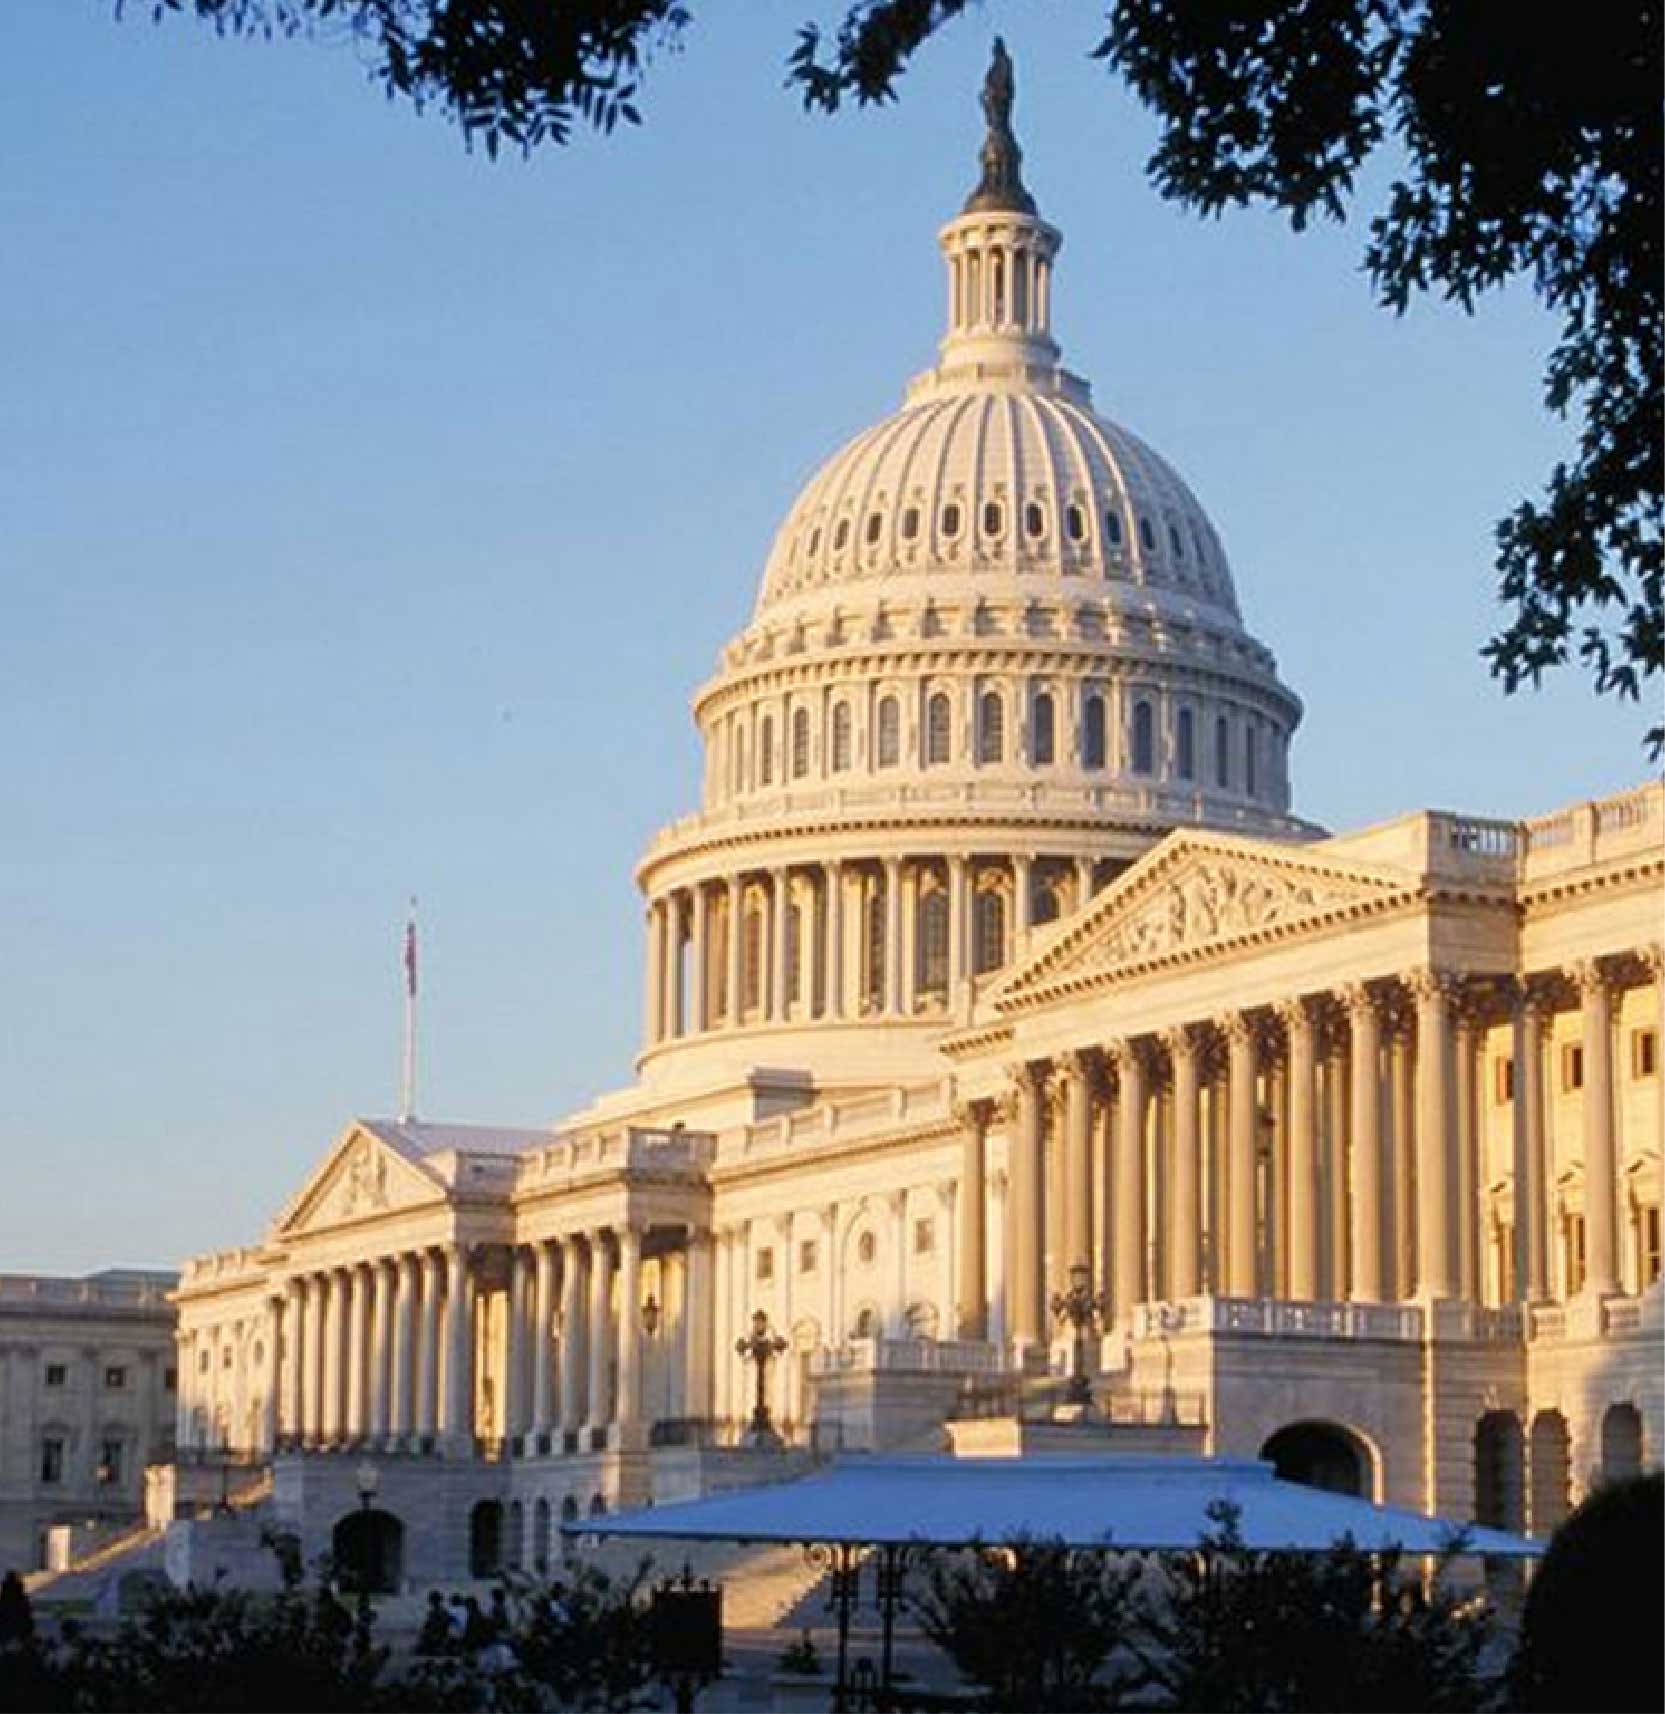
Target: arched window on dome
point(841, 738)
point(1147, 535)
point(1222, 752)
point(873, 947)
point(1144, 739)
point(950, 520)
point(932, 973)
point(1113, 527)
point(800, 743)
point(875, 523)
point(766, 751)
point(1043, 745)
point(841, 535)
point(991, 728)
point(938, 729)
point(1075, 522)
point(989, 931)
point(1185, 745)
point(815, 540)
point(910, 523)
point(1251, 759)
point(1175, 543)
point(994, 518)
point(1034, 520)
point(1197, 543)
point(1093, 753)
point(888, 749)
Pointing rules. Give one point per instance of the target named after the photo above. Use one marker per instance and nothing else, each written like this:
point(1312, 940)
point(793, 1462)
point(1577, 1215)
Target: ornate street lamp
point(1081, 1307)
point(368, 1479)
point(758, 1347)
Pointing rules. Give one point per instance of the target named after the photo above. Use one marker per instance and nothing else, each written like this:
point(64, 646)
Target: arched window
point(1147, 535)
point(841, 534)
point(875, 523)
point(1222, 752)
point(938, 732)
point(1045, 907)
point(910, 523)
point(1045, 738)
point(932, 974)
point(841, 738)
point(1034, 520)
point(951, 519)
point(1197, 543)
point(1251, 758)
point(1113, 527)
point(1185, 745)
point(751, 960)
point(873, 985)
point(1175, 543)
point(991, 727)
point(1092, 733)
point(800, 742)
point(989, 934)
point(1144, 739)
point(993, 518)
point(889, 746)
point(766, 751)
point(1075, 523)
point(1621, 1442)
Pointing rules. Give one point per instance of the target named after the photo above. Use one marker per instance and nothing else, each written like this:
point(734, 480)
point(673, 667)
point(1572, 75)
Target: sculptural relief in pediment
point(364, 1177)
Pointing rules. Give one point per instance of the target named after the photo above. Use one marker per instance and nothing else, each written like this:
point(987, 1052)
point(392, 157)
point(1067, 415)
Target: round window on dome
point(910, 523)
point(1075, 522)
point(1113, 527)
point(874, 524)
point(951, 519)
point(994, 519)
point(841, 534)
point(1147, 535)
point(1034, 520)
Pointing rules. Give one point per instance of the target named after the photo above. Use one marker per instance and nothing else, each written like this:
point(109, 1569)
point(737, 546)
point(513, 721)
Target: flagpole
point(407, 1092)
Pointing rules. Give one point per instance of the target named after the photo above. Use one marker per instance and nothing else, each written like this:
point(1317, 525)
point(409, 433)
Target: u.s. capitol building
point(993, 953)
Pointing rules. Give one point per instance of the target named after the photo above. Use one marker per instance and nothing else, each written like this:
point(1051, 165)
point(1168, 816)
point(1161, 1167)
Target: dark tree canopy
point(1531, 144)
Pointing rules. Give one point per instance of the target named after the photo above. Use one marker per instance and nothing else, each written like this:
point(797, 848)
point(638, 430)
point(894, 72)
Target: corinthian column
point(1028, 1178)
point(972, 1284)
point(294, 1356)
point(401, 1368)
point(543, 1316)
point(780, 906)
point(1239, 1273)
point(653, 983)
point(1531, 1009)
point(893, 935)
point(601, 1353)
point(1128, 1248)
point(1303, 1154)
point(1432, 990)
point(572, 1317)
point(1077, 1176)
point(630, 1326)
point(381, 1347)
point(457, 1424)
point(427, 1348)
point(1601, 1178)
point(731, 948)
point(835, 940)
point(1185, 1218)
point(1365, 1156)
point(700, 963)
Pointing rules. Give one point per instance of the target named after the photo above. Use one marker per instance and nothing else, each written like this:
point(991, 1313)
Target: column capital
point(1295, 1013)
point(1359, 999)
point(1238, 1028)
point(1650, 960)
point(1078, 1062)
point(974, 1114)
point(1030, 1073)
point(1592, 975)
point(1430, 984)
point(1182, 1042)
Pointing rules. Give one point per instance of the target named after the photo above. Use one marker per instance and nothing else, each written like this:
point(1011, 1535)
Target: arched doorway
point(1621, 1442)
point(1320, 1455)
point(1551, 1467)
point(485, 1539)
point(1499, 1471)
point(368, 1548)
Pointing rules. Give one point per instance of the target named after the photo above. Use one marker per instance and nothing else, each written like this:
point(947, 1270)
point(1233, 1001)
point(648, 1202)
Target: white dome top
point(999, 483)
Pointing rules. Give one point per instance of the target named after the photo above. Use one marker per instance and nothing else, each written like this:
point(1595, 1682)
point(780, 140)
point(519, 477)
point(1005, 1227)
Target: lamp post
point(758, 1347)
point(1081, 1307)
point(368, 1478)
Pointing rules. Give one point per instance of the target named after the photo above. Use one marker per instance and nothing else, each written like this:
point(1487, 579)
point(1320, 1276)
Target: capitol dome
point(996, 655)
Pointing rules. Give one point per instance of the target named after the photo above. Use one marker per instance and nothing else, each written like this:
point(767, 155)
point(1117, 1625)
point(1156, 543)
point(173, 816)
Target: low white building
point(995, 950)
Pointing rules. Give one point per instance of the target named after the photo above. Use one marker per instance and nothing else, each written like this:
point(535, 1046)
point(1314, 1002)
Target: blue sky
point(369, 511)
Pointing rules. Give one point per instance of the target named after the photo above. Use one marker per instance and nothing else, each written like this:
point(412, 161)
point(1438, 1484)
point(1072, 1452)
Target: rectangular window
point(766, 1264)
point(1574, 1241)
point(170, 1380)
point(52, 1459)
point(807, 1256)
point(57, 1374)
point(1572, 1065)
point(1648, 1244)
point(109, 1463)
point(225, 1358)
point(924, 1237)
point(1644, 1053)
point(202, 1362)
point(115, 1377)
point(1503, 1086)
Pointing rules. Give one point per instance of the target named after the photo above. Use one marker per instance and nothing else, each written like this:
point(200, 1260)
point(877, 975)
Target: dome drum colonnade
point(1322, 1149)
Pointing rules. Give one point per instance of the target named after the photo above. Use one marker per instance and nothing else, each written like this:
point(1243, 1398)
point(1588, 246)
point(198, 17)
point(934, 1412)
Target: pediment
point(1197, 894)
point(362, 1176)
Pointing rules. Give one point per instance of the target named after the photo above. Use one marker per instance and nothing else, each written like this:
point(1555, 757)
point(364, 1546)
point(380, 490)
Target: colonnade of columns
point(1325, 1148)
point(403, 1351)
point(889, 936)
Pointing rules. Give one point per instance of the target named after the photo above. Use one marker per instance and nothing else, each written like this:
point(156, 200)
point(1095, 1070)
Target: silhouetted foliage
point(1230, 1628)
point(1034, 1624)
point(1590, 1631)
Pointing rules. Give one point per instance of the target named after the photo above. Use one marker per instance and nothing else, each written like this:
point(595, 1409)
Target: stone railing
point(1589, 832)
point(1276, 1319)
point(631, 1149)
point(904, 1104)
point(24, 1291)
point(909, 1356)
